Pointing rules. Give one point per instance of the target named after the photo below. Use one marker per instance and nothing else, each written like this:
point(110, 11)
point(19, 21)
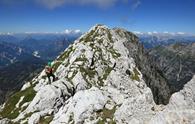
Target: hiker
point(49, 72)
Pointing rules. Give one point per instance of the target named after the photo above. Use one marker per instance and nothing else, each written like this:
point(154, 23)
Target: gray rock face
point(152, 76)
point(176, 61)
point(5, 121)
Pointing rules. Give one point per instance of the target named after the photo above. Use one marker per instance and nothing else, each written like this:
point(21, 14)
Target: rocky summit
point(103, 77)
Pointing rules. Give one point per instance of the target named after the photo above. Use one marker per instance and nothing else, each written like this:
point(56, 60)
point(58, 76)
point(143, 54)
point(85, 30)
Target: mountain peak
point(104, 77)
point(99, 26)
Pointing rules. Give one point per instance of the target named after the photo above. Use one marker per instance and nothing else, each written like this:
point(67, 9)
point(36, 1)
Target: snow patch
point(36, 54)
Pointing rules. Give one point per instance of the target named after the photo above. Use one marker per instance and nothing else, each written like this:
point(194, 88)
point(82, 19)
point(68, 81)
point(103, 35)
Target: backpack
point(48, 70)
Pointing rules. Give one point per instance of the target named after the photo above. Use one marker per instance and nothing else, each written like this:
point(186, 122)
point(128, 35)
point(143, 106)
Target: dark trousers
point(51, 75)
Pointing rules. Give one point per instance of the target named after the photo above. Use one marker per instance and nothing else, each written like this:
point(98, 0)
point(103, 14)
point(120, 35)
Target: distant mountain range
point(45, 49)
point(176, 61)
point(153, 39)
point(17, 37)
point(46, 46)
point(23, 55)
point(11, 53)
point(173, 54)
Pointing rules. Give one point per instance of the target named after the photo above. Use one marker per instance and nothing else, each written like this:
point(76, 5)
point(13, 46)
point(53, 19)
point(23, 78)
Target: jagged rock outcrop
point(99, 81)
point(181, 108)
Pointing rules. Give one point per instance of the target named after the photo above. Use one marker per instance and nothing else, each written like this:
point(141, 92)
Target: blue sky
point(134, 15)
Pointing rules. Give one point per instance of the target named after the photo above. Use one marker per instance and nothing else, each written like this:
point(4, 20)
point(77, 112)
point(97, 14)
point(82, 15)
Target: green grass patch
point(10, 111)
point(56, 65)
point(88, 72)
point(114, 53)
point(100, 81)
point(135, 75)
point(105, 75)
point(46, 120)
point(106, 114)
point(100, 41)
point(81, 59)
point(89, 36)
point(65, 54)
point(26, 116)
point(61, 58)
point(107, 72)
point(92, 45)
point(110, 36)
point(73, 75)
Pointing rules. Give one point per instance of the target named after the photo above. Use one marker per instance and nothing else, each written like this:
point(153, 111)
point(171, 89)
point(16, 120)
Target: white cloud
point(137, 32)
point(155, 32)
point(8, 33)
point(67, 31)
point(165, 32)
point(77, 31)
point(180, 33)
point(51, 4)
point(149, 33)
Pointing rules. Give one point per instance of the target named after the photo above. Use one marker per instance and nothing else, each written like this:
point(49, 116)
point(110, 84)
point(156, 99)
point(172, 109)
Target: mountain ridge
point(152, 40)
point(100, 80)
